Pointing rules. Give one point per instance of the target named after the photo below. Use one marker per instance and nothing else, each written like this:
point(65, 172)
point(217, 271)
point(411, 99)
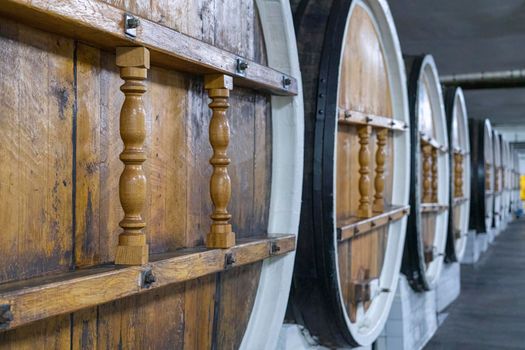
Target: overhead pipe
point(486, 80)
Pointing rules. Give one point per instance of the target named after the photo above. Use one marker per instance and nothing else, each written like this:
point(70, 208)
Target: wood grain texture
point(101, 25)
point(364, 164)
point(36, 112)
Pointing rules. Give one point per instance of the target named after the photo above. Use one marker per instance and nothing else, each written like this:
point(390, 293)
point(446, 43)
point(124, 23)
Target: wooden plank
point(351, 117)
point(433, 207)
point(432, 142)
point(103, 25)
point(44, 297)
point(459, 200)
point(355, 226)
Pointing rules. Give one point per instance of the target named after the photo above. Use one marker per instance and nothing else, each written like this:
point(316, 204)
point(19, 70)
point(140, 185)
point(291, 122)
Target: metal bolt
point(6, 316)
point(392, 123)
point(286, 82)
point(275, 248)
point(242, 66)
point(131, 24)
point(321, 111)
point(372, 224)
point(148, 278)
point(368, 119)
point(229, 260)
point(348, 114)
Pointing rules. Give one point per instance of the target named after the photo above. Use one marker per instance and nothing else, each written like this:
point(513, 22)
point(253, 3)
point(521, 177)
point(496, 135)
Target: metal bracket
point(286, 82)
point(131, 24)
point(229, 260)
point(148, 278)
point(6, 316)
point(241, 67)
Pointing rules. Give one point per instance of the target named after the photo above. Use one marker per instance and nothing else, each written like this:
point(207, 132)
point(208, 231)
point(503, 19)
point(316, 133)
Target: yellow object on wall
point(522, 187)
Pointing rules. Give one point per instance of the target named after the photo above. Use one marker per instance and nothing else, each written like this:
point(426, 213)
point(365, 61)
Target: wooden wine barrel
point(482, 175)
point(429, 183)
point(498, 180)
point(355, 190)
point(184, 279)
point(506, 169)
point(459, 203)
point(516, 200)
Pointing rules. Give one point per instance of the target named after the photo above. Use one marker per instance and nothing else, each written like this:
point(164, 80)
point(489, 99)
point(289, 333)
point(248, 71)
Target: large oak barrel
point(355, 190)
point(429, 182)
point(59, 183)
point(506, 170)
point(459, 203)
point(482, 176)
point(498, 180)
point(515, 179)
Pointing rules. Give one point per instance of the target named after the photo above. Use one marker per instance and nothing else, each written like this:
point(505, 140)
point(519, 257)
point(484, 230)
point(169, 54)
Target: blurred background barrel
point(429, 186)
point(459, 203)
point(355, 190)
point(482, 175)
point(498, 180)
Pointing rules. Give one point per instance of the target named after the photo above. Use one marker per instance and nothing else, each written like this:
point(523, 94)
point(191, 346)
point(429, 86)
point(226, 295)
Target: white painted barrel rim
point(488, 152)
point(460, 245)
point(287, 174)
point(369, 325)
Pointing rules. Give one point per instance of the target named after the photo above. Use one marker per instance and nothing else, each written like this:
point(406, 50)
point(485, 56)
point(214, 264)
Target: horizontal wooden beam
point(43, 297)
point(432, 142)
point(103, 25)
point(433, 208)
point(459, 200)
point(348, 117)
point(355, 226)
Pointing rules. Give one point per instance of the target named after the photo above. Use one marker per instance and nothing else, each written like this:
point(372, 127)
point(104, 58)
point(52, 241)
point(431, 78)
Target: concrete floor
point(490, 312)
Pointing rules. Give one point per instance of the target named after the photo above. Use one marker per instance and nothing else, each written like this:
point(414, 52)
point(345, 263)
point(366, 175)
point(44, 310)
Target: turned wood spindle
point(434, 196)
point(221, 234)
point(458, 175)
point(427, 191)
point(487, 177)
point(379, 181)
point(496, 179)
point(365, 209)
point(132, 247)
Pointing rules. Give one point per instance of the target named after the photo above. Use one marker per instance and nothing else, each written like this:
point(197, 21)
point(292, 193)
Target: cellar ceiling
point(467, 36)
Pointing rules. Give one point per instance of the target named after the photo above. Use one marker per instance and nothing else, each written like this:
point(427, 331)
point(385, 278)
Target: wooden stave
point(453, 254)
point(315, 300)
point(414, 266)
point(276, 225)
point(478, 204)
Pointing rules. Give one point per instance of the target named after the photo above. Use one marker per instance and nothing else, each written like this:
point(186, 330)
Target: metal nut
point(242, 65)
point(148, 278)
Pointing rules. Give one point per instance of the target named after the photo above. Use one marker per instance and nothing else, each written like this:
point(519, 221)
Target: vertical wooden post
point(458, 175)
point(379, 181)
point(427, 193)
point(434, 196)
point(134, 64)
point(221, 234)
point(487, 177)
point(496, 179)
point(365, 209)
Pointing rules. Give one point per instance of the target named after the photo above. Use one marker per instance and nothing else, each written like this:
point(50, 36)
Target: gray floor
point(490, 312)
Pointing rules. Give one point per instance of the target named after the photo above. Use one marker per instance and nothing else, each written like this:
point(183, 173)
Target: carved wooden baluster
point(487, 177)
point(427, 191)
point(379, 181)
point(434, 196)
point(134, 64)
point(221, 234)
point(365, 208)
point(496, 180)
point(458, 175)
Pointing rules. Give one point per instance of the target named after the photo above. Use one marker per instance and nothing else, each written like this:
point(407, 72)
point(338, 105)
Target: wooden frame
point(356, 226)
point(103, 25)
point(44, 297)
